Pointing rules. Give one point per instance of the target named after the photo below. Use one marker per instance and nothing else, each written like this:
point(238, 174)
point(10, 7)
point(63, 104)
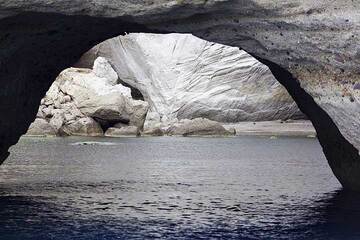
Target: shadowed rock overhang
point(310, 47)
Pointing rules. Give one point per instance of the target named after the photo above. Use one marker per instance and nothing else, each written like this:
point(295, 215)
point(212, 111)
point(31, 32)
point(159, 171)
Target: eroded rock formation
point(185, 77)
point(179, 75)
point(85, 102)
point(310, 46)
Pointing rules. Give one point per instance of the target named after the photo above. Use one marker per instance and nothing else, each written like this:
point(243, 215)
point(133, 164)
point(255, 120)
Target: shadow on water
point(336, 216)
point(339, 215)
point(43, 218)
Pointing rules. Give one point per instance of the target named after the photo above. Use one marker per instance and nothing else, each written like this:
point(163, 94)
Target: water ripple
point(232, 188)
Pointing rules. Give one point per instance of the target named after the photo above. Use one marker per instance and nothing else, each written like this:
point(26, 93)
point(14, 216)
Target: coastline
point(293, 128)
point(290, 128)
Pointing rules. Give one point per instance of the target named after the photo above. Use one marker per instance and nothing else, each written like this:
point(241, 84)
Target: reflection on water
point(189, 188)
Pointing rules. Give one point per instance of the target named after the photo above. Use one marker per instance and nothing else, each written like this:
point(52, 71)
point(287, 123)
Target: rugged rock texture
point(197, 127)
point(100, 97)
point(185, 77)
point(83, 127)
point(188, 79)
point(41, 127)
point(96, 94)
point(79, 95)
point(310, 46)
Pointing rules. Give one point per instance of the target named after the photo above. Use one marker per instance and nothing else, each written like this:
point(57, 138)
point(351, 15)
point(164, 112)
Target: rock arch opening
point(37, 46)
point(178, 78)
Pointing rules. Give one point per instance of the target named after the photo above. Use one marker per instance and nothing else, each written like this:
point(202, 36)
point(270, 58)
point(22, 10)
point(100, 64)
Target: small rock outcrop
point(83, 101)
point(128, 131)
point(83, 127)
point(41, 127)
point(197, 127)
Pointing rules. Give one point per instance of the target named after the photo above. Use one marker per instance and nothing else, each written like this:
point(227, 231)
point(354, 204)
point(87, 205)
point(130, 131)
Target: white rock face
point(184, 77)
point(332, 98)
point(103, 69)
point(78, 97)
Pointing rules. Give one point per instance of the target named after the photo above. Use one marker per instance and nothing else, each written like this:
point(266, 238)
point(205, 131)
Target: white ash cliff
point(185, 77)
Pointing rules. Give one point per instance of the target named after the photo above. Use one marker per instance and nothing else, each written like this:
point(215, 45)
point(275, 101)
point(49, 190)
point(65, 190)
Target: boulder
point(114, 107)
point(80, 100)
point(109, 107)
point(41, 127)
point(198, 127)
point(96, 95)
point(82, 127)
point(156, 131)
point(137, 110)
point(71, 112)
point(129, 131)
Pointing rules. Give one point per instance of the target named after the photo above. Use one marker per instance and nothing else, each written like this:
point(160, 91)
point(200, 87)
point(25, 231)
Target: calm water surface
point(173, 188)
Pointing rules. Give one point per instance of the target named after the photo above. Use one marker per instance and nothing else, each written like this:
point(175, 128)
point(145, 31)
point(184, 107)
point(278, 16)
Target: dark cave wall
point(342, 156)
point(36, 47)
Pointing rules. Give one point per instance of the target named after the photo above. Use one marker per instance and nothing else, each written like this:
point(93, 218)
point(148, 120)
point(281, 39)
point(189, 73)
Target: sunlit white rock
point(184, 77)
point(103, 69)
point(79, 95)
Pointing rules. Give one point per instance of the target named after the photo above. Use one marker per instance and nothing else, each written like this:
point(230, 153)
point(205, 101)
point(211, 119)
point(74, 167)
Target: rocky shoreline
point(290, 128)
